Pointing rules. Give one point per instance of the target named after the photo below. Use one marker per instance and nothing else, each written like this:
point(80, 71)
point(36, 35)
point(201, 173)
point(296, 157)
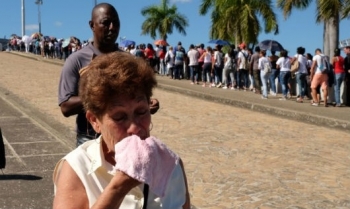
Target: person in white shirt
point(242, 72)
point(207, 66)
point(229, 68)
point(301, 73)
point(283, 63)
point(193, 56)
point(263, 62)
point(318, 77)
point(132, 50)
point(218, 65)
point(169, 61)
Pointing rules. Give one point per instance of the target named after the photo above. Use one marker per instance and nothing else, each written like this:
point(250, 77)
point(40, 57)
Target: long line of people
point(237, 69)
point(241, 69)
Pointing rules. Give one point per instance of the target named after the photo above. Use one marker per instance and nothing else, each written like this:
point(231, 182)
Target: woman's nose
point(134, 128)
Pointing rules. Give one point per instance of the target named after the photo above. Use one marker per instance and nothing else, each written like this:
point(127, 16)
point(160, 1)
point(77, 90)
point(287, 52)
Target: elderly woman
point(116, 89)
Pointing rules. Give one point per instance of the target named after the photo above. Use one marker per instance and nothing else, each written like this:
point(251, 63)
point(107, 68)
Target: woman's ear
point(93, 121)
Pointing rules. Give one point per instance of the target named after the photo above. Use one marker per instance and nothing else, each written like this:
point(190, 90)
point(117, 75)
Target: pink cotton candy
point(148, 161)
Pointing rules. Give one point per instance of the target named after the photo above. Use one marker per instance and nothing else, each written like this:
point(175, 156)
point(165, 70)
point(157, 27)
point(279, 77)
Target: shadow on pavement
point(19, 177)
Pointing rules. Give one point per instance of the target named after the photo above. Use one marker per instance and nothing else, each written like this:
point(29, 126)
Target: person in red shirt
point(201, 51)
point(161, 56)
point(150, 54)
point(339, 72)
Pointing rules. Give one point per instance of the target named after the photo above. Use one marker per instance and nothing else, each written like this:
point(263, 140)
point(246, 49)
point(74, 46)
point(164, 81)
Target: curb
point(279, 112)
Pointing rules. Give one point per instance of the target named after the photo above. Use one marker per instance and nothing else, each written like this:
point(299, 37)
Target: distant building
point(344, 43)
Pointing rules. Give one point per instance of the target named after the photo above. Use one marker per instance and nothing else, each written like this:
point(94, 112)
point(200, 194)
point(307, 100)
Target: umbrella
point(65, 42)
point(161, 42)
point(2, 152)
point(271, 45)
point(219, 42)
point(27, 39)
point(126, 43)
point(13, 35)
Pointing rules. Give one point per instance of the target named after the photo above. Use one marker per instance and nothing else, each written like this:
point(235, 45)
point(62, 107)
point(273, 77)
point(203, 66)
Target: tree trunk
point(331, 36)
point(325, 38)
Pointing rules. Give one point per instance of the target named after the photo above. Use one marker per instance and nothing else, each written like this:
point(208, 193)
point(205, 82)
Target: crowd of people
point(237, 69)
point(46, 46)
point(242, 69)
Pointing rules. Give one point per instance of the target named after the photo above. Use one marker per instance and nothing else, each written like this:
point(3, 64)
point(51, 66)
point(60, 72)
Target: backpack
point(245, 63)
point(233, 62)
point(267, 67)
point(295, 65)
point(167, 58)
point(219, 60)
point(324, 67)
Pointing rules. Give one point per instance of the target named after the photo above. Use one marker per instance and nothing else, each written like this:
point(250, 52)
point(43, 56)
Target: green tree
point(239, 20)
point(328, 12)
point(162, 19)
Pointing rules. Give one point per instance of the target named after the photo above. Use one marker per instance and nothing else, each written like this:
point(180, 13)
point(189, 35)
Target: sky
point(65, 18)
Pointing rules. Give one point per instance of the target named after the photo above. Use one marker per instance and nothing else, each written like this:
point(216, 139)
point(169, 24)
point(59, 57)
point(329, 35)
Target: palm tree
point(239, 20)
point(162, 19)
point(329, 12)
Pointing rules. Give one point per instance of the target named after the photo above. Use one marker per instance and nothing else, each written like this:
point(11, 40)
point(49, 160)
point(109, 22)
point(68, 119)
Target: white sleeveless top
point(207, 58)
point(95, 173)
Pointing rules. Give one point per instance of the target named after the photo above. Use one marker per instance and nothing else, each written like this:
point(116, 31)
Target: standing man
point(193, 56)
point(179, 63)
point(105, 26)
point(347, 74)
point(318, 77)
point(254, 64)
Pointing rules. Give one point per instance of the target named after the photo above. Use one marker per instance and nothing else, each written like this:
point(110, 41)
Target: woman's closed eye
point(120, 117)
point(142, 112)
point(123, 116)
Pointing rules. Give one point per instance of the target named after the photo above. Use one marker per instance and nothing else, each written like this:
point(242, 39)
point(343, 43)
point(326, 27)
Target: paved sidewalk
point(330, 117)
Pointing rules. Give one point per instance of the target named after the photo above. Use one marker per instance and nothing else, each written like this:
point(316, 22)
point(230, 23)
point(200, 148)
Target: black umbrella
point(219, 42)
point(271, 45)
point(2, 152)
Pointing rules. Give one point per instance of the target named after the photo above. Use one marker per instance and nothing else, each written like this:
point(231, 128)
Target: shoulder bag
point(295, 65)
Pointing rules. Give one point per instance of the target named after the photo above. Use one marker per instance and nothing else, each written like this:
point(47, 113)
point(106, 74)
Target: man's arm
point(312, 69)
point(72, 106)
point(68, 99)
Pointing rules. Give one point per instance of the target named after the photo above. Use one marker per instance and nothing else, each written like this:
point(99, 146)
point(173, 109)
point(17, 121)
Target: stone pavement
point(234, 157)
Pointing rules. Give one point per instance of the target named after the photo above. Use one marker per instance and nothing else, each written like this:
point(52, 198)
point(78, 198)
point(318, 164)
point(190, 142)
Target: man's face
point(105, 25)
point(347, 50)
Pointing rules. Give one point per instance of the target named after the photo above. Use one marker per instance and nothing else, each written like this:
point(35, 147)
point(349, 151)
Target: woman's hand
point(114, 193)
point(154, 105)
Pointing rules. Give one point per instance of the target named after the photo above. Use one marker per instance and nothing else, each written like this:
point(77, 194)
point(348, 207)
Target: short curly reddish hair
point(113, 75)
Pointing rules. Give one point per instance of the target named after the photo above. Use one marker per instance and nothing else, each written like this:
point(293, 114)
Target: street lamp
point(23, 18)
point(39, 2)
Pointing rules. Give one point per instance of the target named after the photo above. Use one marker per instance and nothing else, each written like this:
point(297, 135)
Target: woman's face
point(124, 117)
